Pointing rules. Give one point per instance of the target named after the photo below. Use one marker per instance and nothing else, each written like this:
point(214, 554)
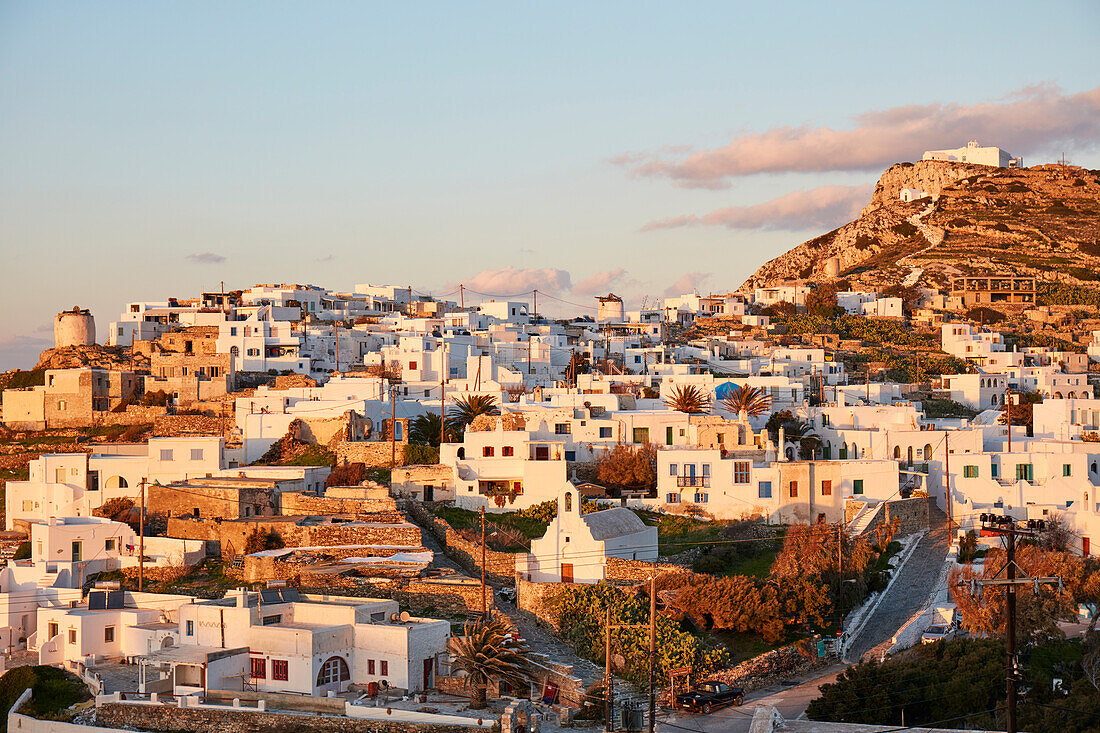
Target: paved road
point(908, 593)
point(791, 702)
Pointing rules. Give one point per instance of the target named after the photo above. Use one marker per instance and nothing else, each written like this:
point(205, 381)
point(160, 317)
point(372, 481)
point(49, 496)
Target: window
point(562, 428)
point(51, 630)
point(333, 670)
point(764, 490)
point(641, 435)
point(165, 455)
point(672, 469)
point(412, 366)
point(190, 628)
point(995, 470)
point(568, 501)
point(196, 454)
point(109, 635)
point(383, 667)
point(721, 438)
point(970, 472)
point(370, 666)
point(507, 451)
point(605, 432)
point(61, 404)
point(280, 670)
point(273, 619)
point(857, 486)
point(259, 668)
point(570, 455)
point(672, 498)
point(109, 545)
point(740, 472)
point(1067, 469)
point(794, 489)
point(826, 488)
point(487, 451)
point(59, 475)
point(706, 469)
point(700, 498)
point(1023, 472)
point(72, 636)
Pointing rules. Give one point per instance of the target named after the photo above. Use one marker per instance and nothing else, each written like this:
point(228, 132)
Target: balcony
point(694, 482)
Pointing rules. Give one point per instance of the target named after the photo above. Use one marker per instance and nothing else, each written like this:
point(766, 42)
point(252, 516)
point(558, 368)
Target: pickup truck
point(710, 696)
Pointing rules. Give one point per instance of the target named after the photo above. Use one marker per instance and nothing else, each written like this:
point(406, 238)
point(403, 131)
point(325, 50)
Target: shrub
point(626, 465)
point(23, 552)
point(417, 454)
point(259, 540)
point(347, 474)
point(155, 399)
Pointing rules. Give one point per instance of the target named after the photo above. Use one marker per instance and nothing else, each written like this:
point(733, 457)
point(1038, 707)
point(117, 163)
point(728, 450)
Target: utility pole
point(461, 298)
point(609, 682)
point(1008, 530)
point(410, 310)
point(535, 315)
point(652, 626)
point(336, 331)
point(141, 540)
point(1008, 412)
point(947, 480)
point(483, 588)
point(652, 652)
point(443, 370)
point(393, 426)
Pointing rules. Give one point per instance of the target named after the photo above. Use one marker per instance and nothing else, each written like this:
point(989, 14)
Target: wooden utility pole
point(443, 370)
point(483, 588)
point(535, 315)
point(947, 480)
point(336, 331)
point(1008, 530)
point(1008, 412)
point(410, 310)
point(461, 298)
point(609, 682)
point(652, 652)
point(141, 540)
point(393, 426)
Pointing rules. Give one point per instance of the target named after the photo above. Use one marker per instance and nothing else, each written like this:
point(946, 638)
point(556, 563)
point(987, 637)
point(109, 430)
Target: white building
point(976, 154)
point(576, 546)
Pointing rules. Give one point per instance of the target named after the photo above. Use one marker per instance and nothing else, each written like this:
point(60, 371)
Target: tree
point(628, 465)
point(466, 409)
point(821, 301)
point(1019, 407)
point(347, 474)
point(258, 540)
point(487, 651)
point(425, 430)
point(688, 398)
point(752, 400)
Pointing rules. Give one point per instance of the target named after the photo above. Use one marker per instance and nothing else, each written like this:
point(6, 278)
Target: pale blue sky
point(338, 143)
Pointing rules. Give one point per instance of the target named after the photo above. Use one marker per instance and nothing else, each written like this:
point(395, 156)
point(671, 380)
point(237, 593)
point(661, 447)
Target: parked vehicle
point(710, 696)
point(937, 632)
point(945, 625)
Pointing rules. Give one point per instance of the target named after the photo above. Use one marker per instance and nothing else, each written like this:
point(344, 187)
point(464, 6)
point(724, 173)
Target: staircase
point(863, 521)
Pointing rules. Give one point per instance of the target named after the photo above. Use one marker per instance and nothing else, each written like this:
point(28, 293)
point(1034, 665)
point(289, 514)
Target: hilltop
point(1042, 222)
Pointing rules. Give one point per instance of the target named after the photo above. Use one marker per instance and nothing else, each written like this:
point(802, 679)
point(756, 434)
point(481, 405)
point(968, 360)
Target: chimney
point(782, 452)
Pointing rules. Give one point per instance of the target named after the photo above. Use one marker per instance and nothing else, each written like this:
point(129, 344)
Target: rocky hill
point(1042, 222)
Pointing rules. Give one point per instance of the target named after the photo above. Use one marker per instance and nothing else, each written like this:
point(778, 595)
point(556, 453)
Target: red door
point(1085, 546)
point(567, 572)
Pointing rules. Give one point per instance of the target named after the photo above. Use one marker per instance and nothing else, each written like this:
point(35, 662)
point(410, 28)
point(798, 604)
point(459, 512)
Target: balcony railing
point(693, 482)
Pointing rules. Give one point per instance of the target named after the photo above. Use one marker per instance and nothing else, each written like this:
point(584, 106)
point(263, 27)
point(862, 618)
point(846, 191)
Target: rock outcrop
point(1042, 222)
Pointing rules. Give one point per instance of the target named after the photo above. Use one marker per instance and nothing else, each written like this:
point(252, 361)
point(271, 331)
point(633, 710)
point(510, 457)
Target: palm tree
point(688, 398)
point(468, 408)
point(489, 650)
point(752, 400)
point(426, 430)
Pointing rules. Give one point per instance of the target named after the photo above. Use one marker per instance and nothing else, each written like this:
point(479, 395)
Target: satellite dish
point(618, 661)
point(405, 617)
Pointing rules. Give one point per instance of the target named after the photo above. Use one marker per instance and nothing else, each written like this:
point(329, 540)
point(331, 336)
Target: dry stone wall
point(500, 567)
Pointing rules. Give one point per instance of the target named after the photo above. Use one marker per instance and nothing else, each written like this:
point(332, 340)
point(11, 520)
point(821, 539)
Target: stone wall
point(536, 598)
point(446, 595)
point(199, 720)
point(209, 501)
point(618, 568)
point(374, 454)
point(172, 425)
point(772, 667)
point(912, 514)
point(301, 503)
point(500, 566)
point(229, 536)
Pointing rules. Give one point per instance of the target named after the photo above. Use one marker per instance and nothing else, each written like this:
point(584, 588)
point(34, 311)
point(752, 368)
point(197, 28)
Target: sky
point(153, 150)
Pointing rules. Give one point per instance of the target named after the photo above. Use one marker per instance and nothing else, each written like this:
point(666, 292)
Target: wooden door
point(567, 572)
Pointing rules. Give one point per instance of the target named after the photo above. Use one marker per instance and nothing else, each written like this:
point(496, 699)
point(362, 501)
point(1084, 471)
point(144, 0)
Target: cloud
point(517, 281)
point(599, 282)
point(689, 283)
point(206, 258)
point(826, 207)
point(1026, 121)
point(21, 352)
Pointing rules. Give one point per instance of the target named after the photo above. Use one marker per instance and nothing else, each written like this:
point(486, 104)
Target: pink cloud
point(517, 281)
point(825, 207)
point(689, 283)
point(1022, 122)
point(599, 282)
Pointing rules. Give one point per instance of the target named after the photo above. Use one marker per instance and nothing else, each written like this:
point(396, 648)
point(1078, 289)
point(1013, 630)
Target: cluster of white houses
point(416, 355)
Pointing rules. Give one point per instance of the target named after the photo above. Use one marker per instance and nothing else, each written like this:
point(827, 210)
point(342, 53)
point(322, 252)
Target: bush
point(53, 690)
point(347, 474)
point(629, 466)
point(416, 454)
point(23, 552)
point(155, 399)
point(259, 540)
